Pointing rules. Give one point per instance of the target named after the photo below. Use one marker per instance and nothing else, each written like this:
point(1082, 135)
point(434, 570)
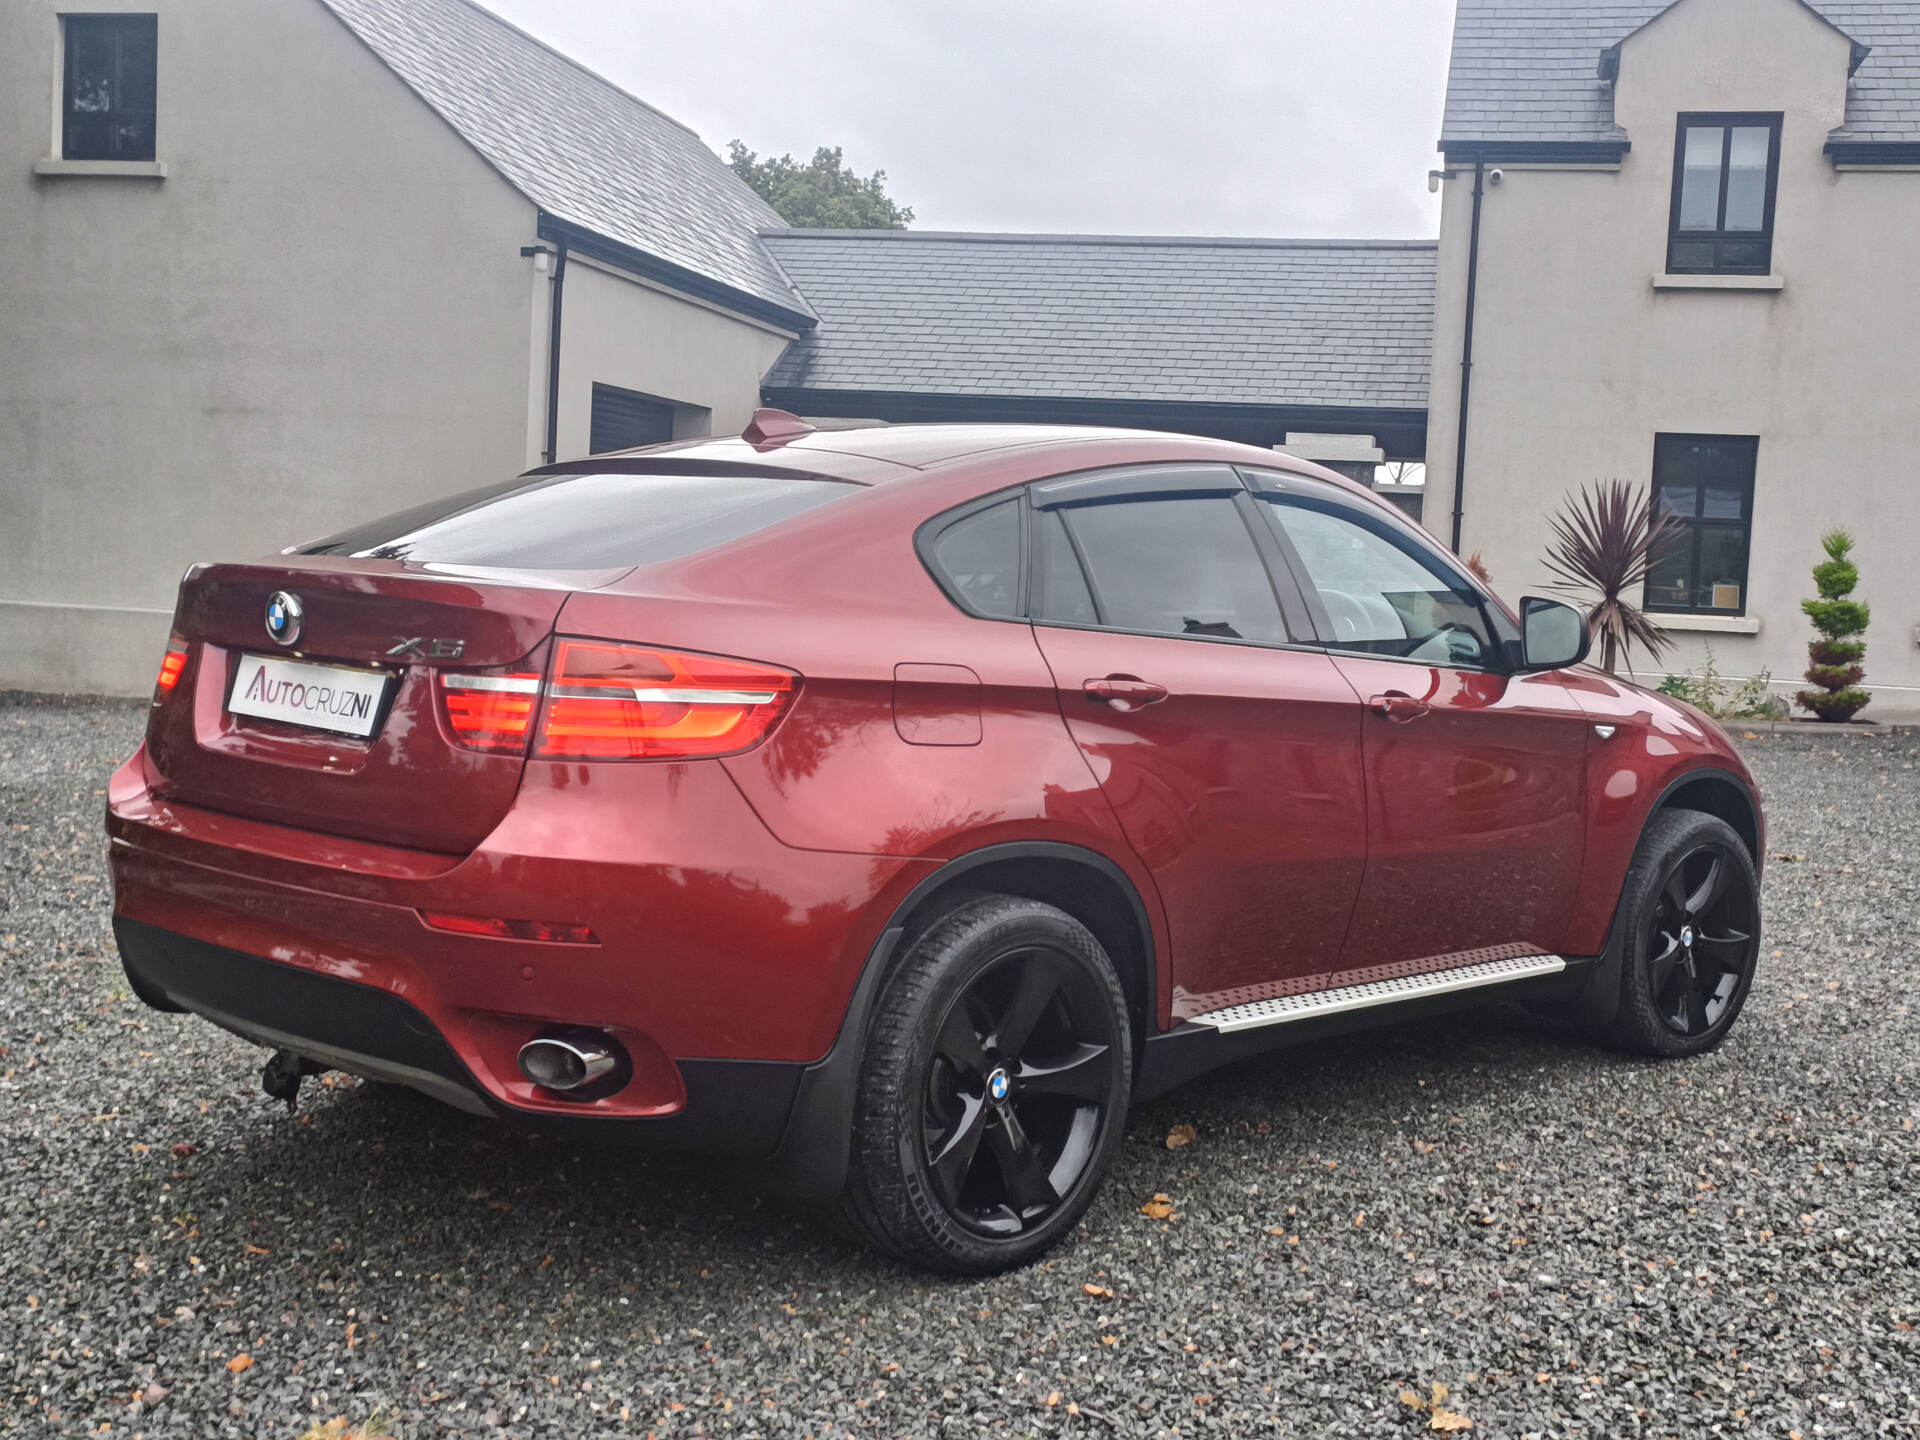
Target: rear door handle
point(1125, 692)
point(1398, 707)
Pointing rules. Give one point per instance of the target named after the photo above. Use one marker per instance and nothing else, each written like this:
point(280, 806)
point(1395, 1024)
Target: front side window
point(107, 103)
point(1725, 171)
point(1180, 565)
point(1379, 595)
point(1704, 485)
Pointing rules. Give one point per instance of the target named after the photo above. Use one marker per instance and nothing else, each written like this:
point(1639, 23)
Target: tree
point(1603, 542)
point(1836, 654)
point(822, 194)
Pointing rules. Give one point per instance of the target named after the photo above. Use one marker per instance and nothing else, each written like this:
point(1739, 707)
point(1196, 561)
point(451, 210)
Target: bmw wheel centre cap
point(283, 617)
point(999, 1085)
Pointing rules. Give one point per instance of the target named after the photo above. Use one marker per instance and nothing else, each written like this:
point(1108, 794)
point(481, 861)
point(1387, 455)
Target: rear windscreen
point(584, 522)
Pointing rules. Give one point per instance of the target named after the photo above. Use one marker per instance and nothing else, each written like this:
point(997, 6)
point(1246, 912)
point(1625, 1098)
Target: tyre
point(1690, 924)
point(993, 1090)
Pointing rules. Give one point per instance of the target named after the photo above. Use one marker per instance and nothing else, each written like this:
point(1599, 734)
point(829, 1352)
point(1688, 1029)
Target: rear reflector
point(549, 931)
point(634, 702)
point(489, 712)
point(171, 664)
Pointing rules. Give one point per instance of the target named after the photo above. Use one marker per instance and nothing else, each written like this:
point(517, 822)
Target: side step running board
point(1380, 992)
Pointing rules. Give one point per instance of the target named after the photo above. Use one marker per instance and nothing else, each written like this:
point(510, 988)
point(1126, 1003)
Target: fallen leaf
point(1181, 1135)
point(257, 1250)
point(1439, 1392)
point(1408, 1397)
point(1158, 1208)
point(1448, 1420)
point(1053, 1399)
point(154, 1394)
point(1099, 1292)
point(1361, 1218)
point(239, 1363)
point(182, 1150)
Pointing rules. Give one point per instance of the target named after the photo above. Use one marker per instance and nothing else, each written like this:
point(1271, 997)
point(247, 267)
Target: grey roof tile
point(1527, 70)
point(578, 146)
point(1266, 322)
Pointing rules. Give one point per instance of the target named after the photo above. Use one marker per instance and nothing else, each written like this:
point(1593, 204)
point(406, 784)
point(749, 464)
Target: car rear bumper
point(727, 1107)
point(723, 964)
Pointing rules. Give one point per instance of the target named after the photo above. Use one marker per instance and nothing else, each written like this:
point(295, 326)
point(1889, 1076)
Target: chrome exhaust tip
point(565, 1063)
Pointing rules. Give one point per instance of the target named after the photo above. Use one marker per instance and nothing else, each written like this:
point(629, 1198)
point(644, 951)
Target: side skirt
point(1206, 1042)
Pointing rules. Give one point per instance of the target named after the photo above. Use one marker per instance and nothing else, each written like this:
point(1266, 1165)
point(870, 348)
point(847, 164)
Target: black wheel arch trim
point(1598, 1000)
point(813, 1155)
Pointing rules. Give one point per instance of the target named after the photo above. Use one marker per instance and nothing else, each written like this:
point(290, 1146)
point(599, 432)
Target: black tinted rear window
point(585, 522)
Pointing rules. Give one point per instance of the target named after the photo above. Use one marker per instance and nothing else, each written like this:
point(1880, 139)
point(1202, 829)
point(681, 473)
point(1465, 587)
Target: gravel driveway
point(1571, 1242)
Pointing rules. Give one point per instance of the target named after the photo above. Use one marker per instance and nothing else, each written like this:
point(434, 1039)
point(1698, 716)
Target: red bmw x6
point(890, 807)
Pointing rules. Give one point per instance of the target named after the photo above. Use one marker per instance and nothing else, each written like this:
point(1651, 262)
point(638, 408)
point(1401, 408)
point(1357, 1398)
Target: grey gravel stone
point(1573, 1242)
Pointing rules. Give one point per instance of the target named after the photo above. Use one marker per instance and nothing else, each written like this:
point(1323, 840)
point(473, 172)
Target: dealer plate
point(315, 697)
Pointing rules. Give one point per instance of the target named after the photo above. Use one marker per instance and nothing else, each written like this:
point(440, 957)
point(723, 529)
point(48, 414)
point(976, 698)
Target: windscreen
point(585, 522)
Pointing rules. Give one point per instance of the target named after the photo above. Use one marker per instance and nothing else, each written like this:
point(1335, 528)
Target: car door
point(1229, 750)
point(1475, 776)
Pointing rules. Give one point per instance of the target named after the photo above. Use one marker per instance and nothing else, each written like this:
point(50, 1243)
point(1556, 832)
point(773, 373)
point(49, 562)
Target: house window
point(107, 102)
point(1725, 171)
point(1704, 483)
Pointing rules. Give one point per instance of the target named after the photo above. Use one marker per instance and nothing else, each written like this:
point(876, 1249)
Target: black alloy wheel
point(1017, 1089)
point(1689, 928)
point(993, 1089)
point(1701, 946)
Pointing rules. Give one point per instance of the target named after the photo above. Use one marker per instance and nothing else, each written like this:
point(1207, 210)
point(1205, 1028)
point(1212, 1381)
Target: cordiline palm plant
point(1604, 540)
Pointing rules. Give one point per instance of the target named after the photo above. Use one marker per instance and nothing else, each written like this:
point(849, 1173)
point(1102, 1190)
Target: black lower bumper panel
point(734, 1107)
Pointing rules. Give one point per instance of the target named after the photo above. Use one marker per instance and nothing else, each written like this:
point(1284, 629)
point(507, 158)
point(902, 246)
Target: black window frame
point(1304, 619)
point(118, 24)
point(1727, 121)
point(1693, 526)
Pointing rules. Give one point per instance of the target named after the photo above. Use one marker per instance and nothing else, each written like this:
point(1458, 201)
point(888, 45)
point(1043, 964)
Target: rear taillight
point(489, 712)
point(171, 664)
point(636, 702)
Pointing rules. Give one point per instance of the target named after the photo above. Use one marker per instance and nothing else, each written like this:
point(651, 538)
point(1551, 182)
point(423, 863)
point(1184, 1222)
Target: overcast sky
point(1201, 117)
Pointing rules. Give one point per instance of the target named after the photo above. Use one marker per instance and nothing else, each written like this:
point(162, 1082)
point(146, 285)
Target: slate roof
point(1334, 323)
point(578, 146)
point(1528, 70)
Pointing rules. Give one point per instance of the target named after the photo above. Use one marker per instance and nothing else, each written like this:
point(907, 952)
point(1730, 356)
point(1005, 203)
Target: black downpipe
point(553, 351)
point(1466, 361)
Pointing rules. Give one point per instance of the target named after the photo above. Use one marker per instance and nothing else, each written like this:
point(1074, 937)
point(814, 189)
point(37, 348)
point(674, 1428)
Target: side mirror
point(1552, 635)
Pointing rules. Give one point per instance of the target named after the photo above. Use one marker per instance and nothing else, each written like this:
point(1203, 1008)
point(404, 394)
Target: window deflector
point(1135, 481)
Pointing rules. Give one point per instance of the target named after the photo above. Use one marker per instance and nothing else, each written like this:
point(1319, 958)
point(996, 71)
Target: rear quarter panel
point(840, 596)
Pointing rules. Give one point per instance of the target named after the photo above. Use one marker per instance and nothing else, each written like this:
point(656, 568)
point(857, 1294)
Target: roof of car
point(870, 453)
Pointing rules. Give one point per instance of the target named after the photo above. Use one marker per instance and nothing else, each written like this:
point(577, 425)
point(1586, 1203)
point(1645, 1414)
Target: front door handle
point(1398, 707)
point(1124, 692)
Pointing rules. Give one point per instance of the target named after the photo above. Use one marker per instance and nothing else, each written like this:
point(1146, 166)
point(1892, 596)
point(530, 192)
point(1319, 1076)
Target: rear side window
point(586, 522)
point(978, 559)
point(1177, 566)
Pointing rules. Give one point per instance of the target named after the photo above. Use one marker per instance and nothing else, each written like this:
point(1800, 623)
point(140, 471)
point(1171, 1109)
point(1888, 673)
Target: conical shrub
point(1835, 657)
